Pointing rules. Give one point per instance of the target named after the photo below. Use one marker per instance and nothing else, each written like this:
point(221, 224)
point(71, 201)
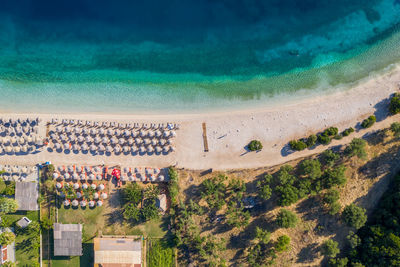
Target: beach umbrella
point(117, 132)
point(14, 169)
point(75, 203)
point(26, 129)
point(105, 124)
point(67, 175)
point(152, 178)
point(99, 203)
point(68, 129)
point(138, 141)
point(150, 149)
point(126, 149)
point(82, 176)
point(161, 178)
point(78, 194)
point(117, 149)
point(99, 177)
point(142, 133)
point(77, 130)
point(59, 129)
point(6, 141)
point(97, 169)
point(66, 185)
point(101, 148)
point(170, 126)
point(114, 140)
point(75, 176)
point(113, 124)
point(84, 147)
point(121, 125)
point(165, 149)
point(127, 133)
point(156, 170)
point(134, 133)
point(22, 140)
point(88, 139)
point(76, 147)
point(143, 178)
point(66, 146)
point(84, 186)
point(70, 168)
point(93, 147)
point(91, 176)
point(54, 121)
point(88, 169)
point(158, 133)
point(85, 131)
point(146, 141)
point(76, 186)
point(154, 142)
point(171, 148)
point(80, 122)
point(66, 202)
point(55, 175)
point(109, 149)
point(17, 149)
point(101, 186)
point(81, 139)
point(72, 138)
point(64, 121)
point(60, 168)
point(142, 149)
point(131, 178)
point(8, 149)
point(97, 140)
point(125, 169)
point(63, 137)
point(173, 134)
point(72, 122)
point(93, 131)
point(24, 148)
point(89, 123)
point(78, 168)
point(131, 141)
point(121, 141)
point(83, 203)
point(104, 195)
point(91, 203)
point(134, 148)
point(13, 140)
point(59, 185)
point(110, 132)
point(101, 131)
point(145, 126)
point(96, 124)
point(150, 134)
point(166, 134)
point(96, 195)
point(158, 149)
point(105, 140)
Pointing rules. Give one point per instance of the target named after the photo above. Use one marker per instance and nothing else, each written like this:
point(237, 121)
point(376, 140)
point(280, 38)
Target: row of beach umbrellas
point(8, 141)
point(83, 203)
point(17, 149)
point(19, 130)
point(116, 149)
point(105, 140)
point(19, 122)
point(76, 186)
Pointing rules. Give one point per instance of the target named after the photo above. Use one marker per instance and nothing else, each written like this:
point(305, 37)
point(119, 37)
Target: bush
point(330, 248)
point(288, 194)
point(329, 157)
point(10, 189)
point(357, 148)
point(131, 212)
point(395, 128)
point(334, 208)
point(263, 188)
point(173, 184)
point(283, 243)
point(311, 140)
point(348, 131)
point(339, 262)
point(331, 196)
point(8, 205)
point(6, 238)
point(213, 191)
point(354, 216)
point(297, 145)
point(323, 139)
point(255, 145)
point(286, 219)
point(311, 168)
point(331, 131)
point(368, 122)
point(394, 106)
point(132, 194)
point(334, 176)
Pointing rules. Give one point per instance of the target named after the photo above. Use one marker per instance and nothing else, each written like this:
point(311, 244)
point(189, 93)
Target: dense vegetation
point(255, 145)
point(368, 122)
point(160, 254)
point(394, 106)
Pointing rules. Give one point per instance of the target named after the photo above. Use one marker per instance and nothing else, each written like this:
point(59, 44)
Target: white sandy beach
point(229, 132)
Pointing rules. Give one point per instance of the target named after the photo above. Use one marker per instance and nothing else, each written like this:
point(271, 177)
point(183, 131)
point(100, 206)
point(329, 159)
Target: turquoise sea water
point(187, 56)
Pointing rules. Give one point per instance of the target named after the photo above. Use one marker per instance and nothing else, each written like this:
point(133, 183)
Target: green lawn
point(159, 253)
point(24, 255)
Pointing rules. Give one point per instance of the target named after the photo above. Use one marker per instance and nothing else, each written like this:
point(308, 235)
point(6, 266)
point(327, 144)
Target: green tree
point(48, 171)
point(285, 175)
point(286, 219)
point(329, 157)
point(131, 212)
point(334, 208)
point(354, 239)
point(297, 145)
point(149, 210)
point(395, 128)
point(323, 139)
point(8, 205)
point(288, 194)
point(334, 176)
point(263, 187)
point(311, 168)
point(354, 216)
point(283, 243)
point(357, 148)
point(173, 184)
point(260, 253)
point(338, 262)
point(6, 238)
point(330, 248)
point(10, 189)
point(311, 140)
point(213, 191)
point(348, 131)
point(236, 215)
point(394, 106)
point(368, 122)
point(331, 196)
point(255, 145)
point(132, 194)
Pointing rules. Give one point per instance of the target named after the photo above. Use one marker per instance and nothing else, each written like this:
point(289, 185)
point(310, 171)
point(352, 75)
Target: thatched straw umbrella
point(75, 203)
point(117, 149)
point(142, 149)
point(99, 203)
point(8, 149)
point(17, 149)
point(21, 140)
point(81, 139)
point(109, 149)
point(121, 141)
point(83, 203)
point(104, 195)
point(67, 175)
point(92, 203)
point(96, 195)
point(66, 202)
point(66, 146)
point(126, 149)
point(101, 187)
point(93, 186)
point(85, 186)
point(76, 186)
point(97, 140)
point(142, 133)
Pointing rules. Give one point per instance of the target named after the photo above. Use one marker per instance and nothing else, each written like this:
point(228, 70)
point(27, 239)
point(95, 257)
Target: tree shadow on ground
point(308, 253)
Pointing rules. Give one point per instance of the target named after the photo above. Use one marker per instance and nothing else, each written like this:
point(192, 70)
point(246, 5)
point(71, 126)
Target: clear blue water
point(186, 56)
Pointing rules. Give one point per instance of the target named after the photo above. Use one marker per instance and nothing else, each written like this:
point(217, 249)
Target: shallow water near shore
point(197, 56)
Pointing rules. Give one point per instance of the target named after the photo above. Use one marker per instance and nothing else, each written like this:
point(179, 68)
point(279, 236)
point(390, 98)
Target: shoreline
point(229, 132)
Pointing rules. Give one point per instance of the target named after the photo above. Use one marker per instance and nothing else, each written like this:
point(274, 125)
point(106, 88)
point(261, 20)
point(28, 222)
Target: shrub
point(149, 210)
point(297, 145)
point(395, 128)
point(311, 140)
point(263, 188)
point(283, 243)
point(394, 106)
point(357, 148)
point(10, 189)
point(329, 157)
point(330, 248)
point(334, 208)
point(311, 168)
point(331, 131)
point(285, 176)
point(354, 216)
point(331, 196)
point(213, 191)
point(236, 216)
point(339, 262)
point(286, 219)
point(334, 176)
point(173, 184)
point(368, 122)
point(8, 205)
point(255, 145)
point(348, 131)
point(323, 139)
point(131, 212)
point(6, 238)
point(288, 195)
point(46, 223)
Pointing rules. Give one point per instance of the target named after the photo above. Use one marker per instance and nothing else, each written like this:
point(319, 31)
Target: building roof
point(23, 222)
point(26, 194)
point(161, 202)
point(67, 239)
point(117, 252)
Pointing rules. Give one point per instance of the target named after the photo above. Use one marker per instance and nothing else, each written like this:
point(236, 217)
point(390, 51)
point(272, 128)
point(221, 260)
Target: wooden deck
point(205, 142)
